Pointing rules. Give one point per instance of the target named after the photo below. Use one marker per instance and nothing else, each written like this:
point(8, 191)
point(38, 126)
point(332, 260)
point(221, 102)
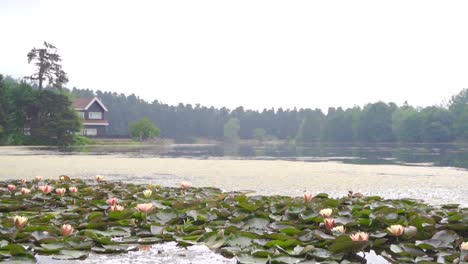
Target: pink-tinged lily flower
point(45, 189)
point(144, 247)
point(396, 230)
point(66, 230)
point(20, 221)
point(73, 189)
point(11, 187)
point(359, 236)
point(60, 191)
point(340, 229)
point(145, 208)
point(23, 181)
point(111, 201)
point(308, 197)
point(327, 212)
point(464, 246)
point(99, 178)
point(185, 184)
point(329, 223)
point(116, 208)
point(25, 191)
point(38, 178)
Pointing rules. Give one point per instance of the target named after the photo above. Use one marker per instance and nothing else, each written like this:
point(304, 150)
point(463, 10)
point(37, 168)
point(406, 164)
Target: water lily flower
point(359, 236)
point(410, 231)
point(60, 191)
point(23, 181)
point(20, 221)
point(99, 178)
point(145, 208)
point(116, 208)
point(147, 193)
point(45, 189)
point(111, 201)
point(308, 197)
point(329, 223)
point(144, 247)
point(11, 187)
point(66, 230)
point(327, 212)
point(464, 246)
point(396, 230)
point(38, 178)
point(25, 191)
point(340, 229)
point(185, 184)
point(62, 178)
point(73, 189)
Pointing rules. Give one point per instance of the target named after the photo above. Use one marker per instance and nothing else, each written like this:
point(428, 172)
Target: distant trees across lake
point(375, 122)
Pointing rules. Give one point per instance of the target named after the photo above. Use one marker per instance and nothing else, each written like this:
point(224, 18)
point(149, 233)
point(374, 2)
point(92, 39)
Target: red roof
point(81, 103)
point(85, 103)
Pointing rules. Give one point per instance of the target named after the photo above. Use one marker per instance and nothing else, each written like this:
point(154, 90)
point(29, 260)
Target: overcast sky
point(258, 54)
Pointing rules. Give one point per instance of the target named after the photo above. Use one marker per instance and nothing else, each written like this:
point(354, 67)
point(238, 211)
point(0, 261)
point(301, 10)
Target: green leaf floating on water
point(345, 244)
point(70, 255)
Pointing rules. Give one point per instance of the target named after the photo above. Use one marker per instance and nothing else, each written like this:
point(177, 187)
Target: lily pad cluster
point(71, 218)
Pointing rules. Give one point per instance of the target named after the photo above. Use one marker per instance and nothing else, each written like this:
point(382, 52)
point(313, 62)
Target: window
point(90, 132)
point(95, 115)
point(81, 115)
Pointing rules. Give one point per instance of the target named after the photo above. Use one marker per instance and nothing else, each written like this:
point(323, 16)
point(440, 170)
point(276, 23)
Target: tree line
point(375, 122)
point(32, 116)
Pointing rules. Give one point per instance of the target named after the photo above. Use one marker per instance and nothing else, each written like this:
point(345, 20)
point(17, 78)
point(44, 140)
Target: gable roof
point(85, 103)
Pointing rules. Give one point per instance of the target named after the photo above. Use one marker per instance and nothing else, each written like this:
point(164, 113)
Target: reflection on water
point(446, 155)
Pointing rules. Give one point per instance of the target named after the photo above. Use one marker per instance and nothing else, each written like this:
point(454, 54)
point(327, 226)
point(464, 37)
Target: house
point(92, 112)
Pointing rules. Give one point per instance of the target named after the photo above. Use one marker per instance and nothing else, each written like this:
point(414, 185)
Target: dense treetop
point(375, 122)
point(34, 116)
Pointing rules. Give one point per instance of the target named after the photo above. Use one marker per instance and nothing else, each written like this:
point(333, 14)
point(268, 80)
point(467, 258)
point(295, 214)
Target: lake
point(435, 173)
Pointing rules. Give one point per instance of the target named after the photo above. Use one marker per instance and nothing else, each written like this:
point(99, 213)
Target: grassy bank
point(254, 229)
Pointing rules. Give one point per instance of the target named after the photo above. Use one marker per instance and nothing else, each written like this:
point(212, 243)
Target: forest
point(24, 105)
point(32, 116)
point(375, 122)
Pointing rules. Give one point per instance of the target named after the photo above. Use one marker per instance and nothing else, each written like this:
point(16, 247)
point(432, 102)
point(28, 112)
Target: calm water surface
point(444, 155)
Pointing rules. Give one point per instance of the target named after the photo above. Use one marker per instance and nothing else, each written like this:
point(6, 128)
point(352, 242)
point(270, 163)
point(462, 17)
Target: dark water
point(446, 155)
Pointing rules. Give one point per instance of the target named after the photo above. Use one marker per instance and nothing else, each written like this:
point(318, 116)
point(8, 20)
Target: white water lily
point(396, 230)
point(99, 178)
point(327, 212)
point(339, 229)
point(147, 193)
point(20, 221)
point(464, 246)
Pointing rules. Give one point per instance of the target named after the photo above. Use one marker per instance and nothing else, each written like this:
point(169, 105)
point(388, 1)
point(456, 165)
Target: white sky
point(258, 54)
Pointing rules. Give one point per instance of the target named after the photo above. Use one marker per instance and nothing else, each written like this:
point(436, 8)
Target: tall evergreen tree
point(48, 66)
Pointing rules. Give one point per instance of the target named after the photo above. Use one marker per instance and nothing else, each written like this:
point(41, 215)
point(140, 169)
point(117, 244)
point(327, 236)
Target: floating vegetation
point(69, 218)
